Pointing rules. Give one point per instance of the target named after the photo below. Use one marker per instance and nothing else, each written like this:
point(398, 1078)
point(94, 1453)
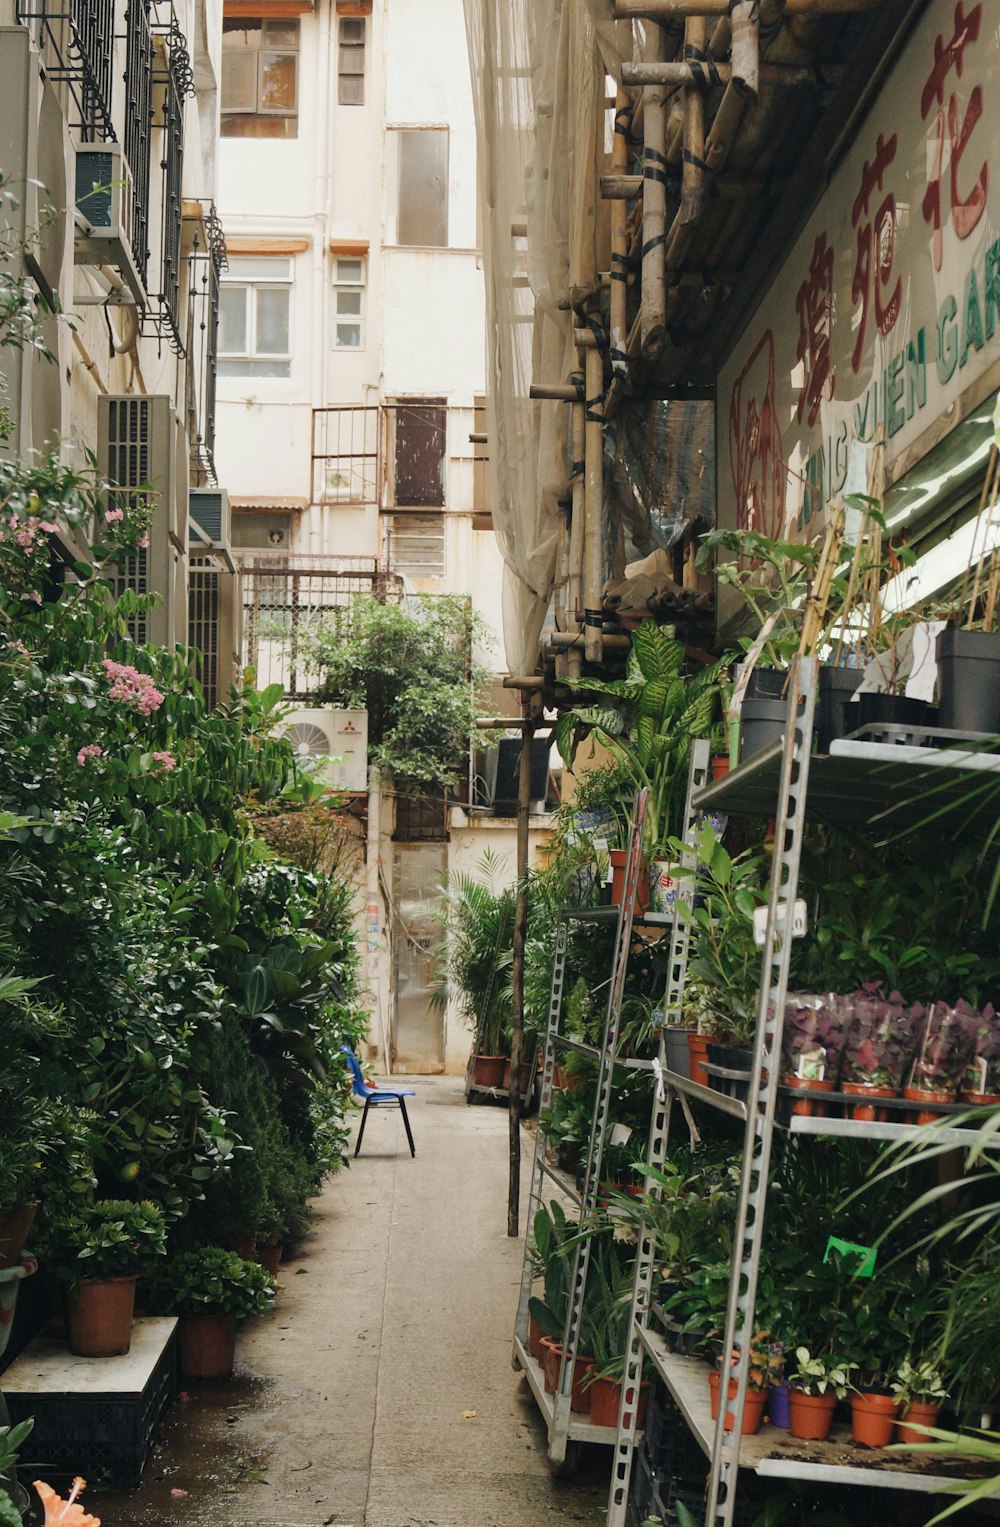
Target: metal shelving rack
point(880, 787)
point(565, 1429)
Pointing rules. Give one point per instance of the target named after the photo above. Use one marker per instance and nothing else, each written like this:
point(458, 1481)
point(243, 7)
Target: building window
point(260, 77)
point(255, 297)
point(348, 303)
point(422, 217)
point(351, 61)
point(416, 545)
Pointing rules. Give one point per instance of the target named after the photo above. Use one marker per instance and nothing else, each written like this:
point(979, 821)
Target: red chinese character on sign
point(965, 212)
point(876, 248)
point(814, 305)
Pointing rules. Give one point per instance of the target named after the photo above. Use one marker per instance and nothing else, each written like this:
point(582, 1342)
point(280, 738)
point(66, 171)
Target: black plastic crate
point(105, 1437)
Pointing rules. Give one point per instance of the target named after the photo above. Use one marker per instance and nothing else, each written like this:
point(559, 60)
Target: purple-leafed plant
point(983, 1073)
point(946, 1049)
point(882, 1034)
point(812, 1036)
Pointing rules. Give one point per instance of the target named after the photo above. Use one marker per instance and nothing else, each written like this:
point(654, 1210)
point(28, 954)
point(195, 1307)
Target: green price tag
point(864, 1255)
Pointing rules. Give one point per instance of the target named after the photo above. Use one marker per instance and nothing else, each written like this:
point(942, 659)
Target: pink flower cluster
point(113, 516)
point(132, 688)
point(25, 532)
point(166, 761)
point(89, 750)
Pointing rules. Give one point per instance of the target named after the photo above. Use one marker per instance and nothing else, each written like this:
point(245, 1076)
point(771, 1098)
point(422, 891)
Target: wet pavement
point(379, 1392)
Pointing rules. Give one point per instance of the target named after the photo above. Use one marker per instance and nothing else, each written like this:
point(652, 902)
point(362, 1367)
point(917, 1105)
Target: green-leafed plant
point(107, 1239)
point(475, 954)
point(206, 1280)
point(648, 721)
point(820, 1373)
point(724, 960)
point(553, 1240)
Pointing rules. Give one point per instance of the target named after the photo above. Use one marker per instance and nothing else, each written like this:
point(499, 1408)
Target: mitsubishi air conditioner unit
point(208, 509)
point(104, 200)
point(338, 739)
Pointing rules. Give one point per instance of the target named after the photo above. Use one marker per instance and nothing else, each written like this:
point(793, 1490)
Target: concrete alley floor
point(379, 1393)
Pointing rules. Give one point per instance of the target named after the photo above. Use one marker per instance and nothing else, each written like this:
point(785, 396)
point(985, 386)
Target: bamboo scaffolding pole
point(593, 539)
point(614, 640)
point(727, 187)
point(559, 392)
point(618, 319)
point(663, 10)
point(653, 309)
point(576, 531)
point(991, 487)
point(679, 72)
point(693, 164)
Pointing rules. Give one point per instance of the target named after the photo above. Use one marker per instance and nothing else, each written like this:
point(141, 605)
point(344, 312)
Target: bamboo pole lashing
point(593, 544)
point(618, 296)
point(819, 598)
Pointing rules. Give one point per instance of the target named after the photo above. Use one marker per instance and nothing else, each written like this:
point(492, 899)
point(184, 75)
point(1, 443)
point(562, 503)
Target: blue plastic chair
point(377, 1096)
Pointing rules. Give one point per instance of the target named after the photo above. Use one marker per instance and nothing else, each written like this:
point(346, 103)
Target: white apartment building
point(351, 377)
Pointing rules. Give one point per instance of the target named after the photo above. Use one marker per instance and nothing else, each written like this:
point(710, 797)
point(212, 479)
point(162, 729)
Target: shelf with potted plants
point(881, 1032)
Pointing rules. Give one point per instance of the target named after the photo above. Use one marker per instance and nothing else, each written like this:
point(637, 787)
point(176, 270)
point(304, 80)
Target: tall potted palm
point(473, 962)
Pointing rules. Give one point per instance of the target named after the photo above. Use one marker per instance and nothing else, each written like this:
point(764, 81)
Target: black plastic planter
point(969, 681)
point(731, 1058)
point(836, 713)
point(877, 709)
point(761, 723)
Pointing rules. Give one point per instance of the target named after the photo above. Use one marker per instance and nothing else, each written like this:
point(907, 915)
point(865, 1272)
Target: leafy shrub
point(206, 1280)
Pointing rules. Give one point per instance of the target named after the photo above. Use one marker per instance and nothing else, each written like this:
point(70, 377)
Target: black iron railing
point(77, 39)
point(139, 125)
point(206, 261)
point(163, 316)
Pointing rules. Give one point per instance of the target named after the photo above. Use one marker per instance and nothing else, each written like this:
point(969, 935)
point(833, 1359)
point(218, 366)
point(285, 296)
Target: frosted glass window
point(348, 303)
point(423, 187)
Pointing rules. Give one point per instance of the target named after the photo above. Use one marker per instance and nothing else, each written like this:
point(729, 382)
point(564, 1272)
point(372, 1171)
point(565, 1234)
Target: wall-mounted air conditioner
point(104, 201)
point(208, 509)
point(338, 738)
point(139, 456)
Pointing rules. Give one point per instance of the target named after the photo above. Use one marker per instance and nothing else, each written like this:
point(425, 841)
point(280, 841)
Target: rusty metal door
point(418, 1028)
point(421, 436)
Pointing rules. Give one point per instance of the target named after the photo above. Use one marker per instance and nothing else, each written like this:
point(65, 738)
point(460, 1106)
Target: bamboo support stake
point(618, 319)
point(653, 311)
point(593, 540)
point(991, 486)
point(819, 598)
point(576, 531)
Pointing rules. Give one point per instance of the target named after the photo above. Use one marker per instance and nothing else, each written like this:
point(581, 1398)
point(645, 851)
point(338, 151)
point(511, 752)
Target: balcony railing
point(206, 259)
point(139, 123)
point(76, 39)
point(163, 316)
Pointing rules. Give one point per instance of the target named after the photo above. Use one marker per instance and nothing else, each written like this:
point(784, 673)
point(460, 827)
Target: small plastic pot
point(810, 1415)
point(928, 1095)
point(698, 1052)
point(778, 1408)
point(868, 1112)
point(805, 1107)
point(754, 1405)
point(917, 1413)
point(969, 681)
point(873, 1418)
point(551, 1360)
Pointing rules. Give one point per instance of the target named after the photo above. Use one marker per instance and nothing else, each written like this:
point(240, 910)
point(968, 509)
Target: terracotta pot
point(551, 1363)
point(927, 1095)
point(244, 1247)
point(10, 1282)
point(719, 765)
point(873, 1417)
point(99, 1316)
point(269, 1257)
point(15, 1225)
point(579, 1397)
point(487, 1070)
point(868, 1111)
point(981, 1099)
point(618, 857)
point(605, 1402)
point(805, 1107)
point(921, 1413)
point(207, 1346)
point(698, 1050)
point(753, 1405)
point(810, 1415)
point(534, 1338)
point(525, 1075)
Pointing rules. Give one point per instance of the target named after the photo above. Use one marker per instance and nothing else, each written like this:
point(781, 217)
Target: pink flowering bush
point(132, 688)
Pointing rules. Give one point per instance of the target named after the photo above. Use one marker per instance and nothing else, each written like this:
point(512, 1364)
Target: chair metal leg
point(406, 1126)
point(364, 1121)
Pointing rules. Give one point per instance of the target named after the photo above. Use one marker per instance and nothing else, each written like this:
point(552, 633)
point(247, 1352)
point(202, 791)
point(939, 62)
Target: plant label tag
point(798, 921)
point(621, 1134)
point(865, 1256)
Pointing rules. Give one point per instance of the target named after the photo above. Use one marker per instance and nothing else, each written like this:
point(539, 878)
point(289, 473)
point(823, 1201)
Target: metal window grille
point(164, 313)
point(346, 455)
point(283, 597)
point(77, 39)
point(139, 123)
point(203, 625)
point(129, 467)
point(421, 818)
point(205, 263)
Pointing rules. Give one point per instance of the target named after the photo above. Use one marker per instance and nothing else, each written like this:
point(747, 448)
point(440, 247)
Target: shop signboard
point(883, 323)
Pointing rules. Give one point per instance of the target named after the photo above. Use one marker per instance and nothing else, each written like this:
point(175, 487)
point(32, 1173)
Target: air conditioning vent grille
point(95, 174)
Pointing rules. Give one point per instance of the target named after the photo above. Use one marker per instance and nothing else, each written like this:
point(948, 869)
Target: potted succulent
point(879, 1043)
point(211, 1290)
point(815, 1384)
point(981, 1084)
point(945, 1052)
point(920, 1392)
point(101, 1248)
point(812, 1040)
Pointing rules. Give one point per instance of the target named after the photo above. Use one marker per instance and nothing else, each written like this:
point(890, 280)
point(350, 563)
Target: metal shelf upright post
point(562, 1428)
